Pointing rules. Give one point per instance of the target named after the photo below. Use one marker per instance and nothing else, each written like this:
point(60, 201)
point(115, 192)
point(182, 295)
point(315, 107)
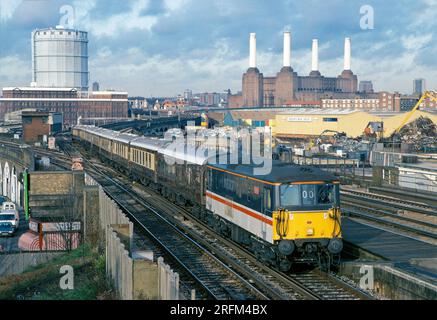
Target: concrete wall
point(109, 212)
point(119, 266)
point(134, 274)
point(389, 282)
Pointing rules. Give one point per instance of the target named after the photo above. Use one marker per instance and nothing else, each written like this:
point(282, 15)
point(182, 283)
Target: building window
point(330, 119)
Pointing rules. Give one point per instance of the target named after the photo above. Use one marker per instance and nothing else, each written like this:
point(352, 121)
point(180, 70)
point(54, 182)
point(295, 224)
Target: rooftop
point(280, 172)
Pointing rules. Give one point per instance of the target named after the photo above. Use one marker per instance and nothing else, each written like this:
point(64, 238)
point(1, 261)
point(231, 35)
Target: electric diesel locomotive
point(290, 215)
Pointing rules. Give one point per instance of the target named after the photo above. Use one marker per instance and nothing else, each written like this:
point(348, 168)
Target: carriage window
point(267, 199)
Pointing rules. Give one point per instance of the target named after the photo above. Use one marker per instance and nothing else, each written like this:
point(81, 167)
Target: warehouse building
point(68, 101)
point(312, 122)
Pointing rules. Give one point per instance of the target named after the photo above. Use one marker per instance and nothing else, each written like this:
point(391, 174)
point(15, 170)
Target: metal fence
point(407, 178)
point(342, 167)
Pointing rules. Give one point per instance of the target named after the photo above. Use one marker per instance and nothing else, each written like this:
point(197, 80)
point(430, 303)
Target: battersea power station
point(288, 87)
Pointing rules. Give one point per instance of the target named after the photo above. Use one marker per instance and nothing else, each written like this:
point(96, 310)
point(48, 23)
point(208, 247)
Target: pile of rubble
point(421, 134)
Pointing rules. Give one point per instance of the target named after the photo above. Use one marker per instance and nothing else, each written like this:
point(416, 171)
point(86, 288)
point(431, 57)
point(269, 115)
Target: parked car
point(6, 228)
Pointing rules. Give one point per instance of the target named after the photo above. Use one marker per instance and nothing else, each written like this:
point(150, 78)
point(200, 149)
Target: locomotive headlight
point(335, 246)
point(310, 232)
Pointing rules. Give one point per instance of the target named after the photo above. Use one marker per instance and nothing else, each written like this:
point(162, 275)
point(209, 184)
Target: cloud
point(166, 46)
point(14, 71)
point(117, 24)
point(7, 9)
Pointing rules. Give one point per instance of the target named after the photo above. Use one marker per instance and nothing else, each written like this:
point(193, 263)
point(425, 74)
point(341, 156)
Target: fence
point(168, 282)
point(110, 213)
point(390, 159)
point(404, 177)
point(119, 265)
point(342, 167)
point(17, 263)
point(134, 273)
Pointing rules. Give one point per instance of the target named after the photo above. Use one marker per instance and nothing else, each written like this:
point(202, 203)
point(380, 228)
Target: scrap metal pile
point(420, 133)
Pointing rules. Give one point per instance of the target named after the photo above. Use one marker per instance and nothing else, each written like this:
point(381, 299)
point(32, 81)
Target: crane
point(428, 94)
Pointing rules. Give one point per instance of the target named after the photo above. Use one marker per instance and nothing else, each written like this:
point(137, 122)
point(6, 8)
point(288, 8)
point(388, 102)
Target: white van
point(9, 213)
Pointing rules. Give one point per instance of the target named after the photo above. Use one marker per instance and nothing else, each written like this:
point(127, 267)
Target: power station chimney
point(347, 53)
point(252, 57)
point(287, 49)
point(315, 56)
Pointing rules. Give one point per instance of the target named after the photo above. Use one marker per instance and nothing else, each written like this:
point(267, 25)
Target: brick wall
point(55, 193)
point(34, 131)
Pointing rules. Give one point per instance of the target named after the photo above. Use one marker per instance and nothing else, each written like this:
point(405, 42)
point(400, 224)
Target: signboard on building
point(61, 226)
point(299, 119)
point(33, 225)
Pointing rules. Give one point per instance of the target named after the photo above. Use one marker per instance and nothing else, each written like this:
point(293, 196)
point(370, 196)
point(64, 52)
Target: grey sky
point(161, 47)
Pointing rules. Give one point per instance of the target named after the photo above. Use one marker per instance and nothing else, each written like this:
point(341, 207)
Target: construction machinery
point(428, 94)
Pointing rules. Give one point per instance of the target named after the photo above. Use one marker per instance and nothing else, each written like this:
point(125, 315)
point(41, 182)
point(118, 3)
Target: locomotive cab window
point(290, 196)
point(309, 195)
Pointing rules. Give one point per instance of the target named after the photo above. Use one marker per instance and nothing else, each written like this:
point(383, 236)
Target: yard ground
point(43, 282)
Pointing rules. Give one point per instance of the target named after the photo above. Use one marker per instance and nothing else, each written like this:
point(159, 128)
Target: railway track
point(213, 278)
point(391, 212)
point(278, 285)
point(319, 285)
point(394, 202)
point(242, 276)
point(408, 195)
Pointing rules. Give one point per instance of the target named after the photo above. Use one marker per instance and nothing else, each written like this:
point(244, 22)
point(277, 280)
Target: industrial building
point(312, 122)
point(287, 86)
point(241, 115)
point(68, 101)
point(60, 81)
point(60, 58)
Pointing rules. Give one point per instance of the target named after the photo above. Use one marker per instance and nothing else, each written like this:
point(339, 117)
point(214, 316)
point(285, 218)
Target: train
point(291, 215)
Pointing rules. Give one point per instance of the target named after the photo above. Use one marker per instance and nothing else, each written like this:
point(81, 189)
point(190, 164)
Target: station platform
point(386, 244)
point(386, 248)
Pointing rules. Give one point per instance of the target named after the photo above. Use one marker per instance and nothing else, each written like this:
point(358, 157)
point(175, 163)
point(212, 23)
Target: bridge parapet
point(21, 156)
point(14, 160)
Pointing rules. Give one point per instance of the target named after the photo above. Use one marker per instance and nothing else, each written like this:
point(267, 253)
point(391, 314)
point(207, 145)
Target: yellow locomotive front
point(306, 226)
